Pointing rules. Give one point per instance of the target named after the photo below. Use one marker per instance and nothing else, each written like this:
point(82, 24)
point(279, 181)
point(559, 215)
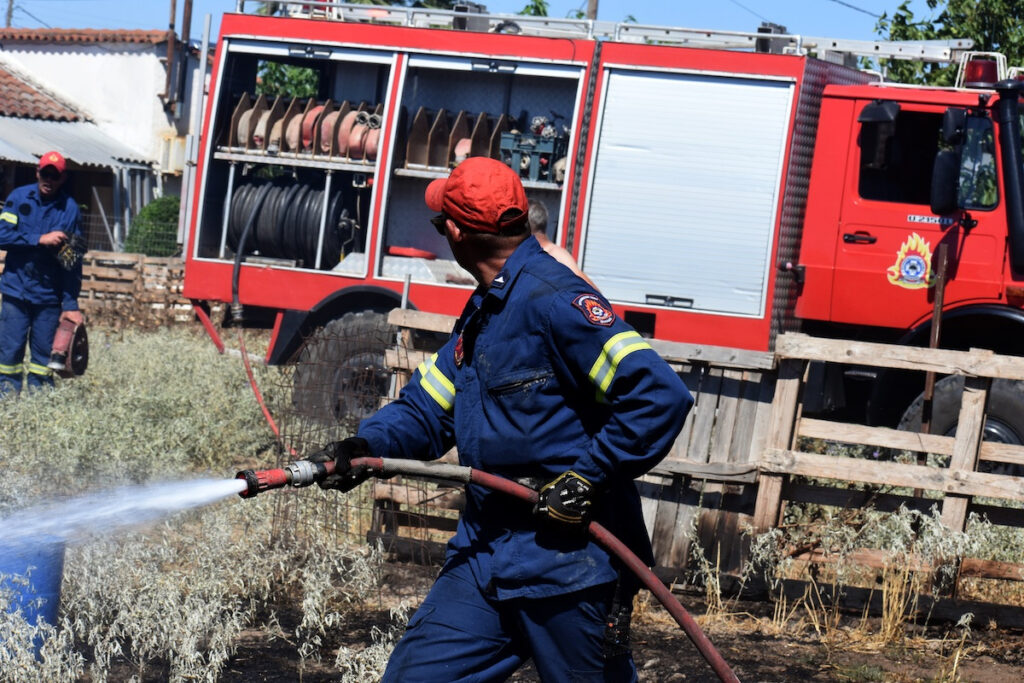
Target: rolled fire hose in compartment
point(288, 223)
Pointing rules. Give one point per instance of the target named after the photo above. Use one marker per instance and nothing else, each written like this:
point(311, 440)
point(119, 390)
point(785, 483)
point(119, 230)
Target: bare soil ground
point(663, 653)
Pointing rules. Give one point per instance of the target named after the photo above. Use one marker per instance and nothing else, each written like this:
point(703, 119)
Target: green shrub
point(154, 231)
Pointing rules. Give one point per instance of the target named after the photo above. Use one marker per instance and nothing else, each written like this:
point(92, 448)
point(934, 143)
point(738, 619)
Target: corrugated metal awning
point(81, 142)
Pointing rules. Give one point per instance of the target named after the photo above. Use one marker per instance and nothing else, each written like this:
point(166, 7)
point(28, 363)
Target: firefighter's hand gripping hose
point(306, 472)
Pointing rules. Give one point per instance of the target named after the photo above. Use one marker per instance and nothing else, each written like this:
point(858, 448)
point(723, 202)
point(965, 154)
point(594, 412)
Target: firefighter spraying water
point(540, 386)
point(303, 473)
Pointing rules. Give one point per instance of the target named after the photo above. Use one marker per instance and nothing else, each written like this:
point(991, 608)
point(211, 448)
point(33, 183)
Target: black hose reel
point(286, 224)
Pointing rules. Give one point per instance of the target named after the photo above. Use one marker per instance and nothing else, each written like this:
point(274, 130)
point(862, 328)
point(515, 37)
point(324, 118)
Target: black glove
point(345, 477)
point(566, 499)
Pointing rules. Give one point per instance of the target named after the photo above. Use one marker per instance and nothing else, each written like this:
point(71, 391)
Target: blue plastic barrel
point(41, 560)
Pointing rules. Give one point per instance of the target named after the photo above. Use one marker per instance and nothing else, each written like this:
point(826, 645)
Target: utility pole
point(592, 9)
point(10, 12)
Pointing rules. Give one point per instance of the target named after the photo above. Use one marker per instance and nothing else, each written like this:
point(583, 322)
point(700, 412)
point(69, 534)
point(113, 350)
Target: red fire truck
point(719, 188)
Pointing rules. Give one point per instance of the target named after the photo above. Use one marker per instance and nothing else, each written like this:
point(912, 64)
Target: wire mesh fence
point(343, 373)
point(152, 238)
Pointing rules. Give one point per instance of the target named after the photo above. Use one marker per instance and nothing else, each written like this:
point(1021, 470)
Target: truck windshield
point(978, 186)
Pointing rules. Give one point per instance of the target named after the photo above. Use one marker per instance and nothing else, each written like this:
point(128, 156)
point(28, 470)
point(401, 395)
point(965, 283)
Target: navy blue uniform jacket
point(32, 273)
point(539, 377)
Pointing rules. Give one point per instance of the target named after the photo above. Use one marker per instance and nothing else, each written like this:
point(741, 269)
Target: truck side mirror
point(954, 121)
point(945, 182)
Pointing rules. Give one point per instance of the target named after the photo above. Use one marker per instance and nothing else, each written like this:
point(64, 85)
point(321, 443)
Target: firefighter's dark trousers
point(461, 634)
point(21, 322)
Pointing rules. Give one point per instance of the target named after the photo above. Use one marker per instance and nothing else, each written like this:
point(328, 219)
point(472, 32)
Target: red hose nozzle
point(298, 473)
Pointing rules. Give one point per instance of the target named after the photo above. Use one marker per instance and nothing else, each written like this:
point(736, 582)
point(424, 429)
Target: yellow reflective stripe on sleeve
point(12, 369)
point(37, 369)
point(9, 217)
point(615, 349)
point(433, 381)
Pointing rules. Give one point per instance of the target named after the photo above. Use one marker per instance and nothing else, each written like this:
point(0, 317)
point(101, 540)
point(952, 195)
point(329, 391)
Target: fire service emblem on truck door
point(913, 267)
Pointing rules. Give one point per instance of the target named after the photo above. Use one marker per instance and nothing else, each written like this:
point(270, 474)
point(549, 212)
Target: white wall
point(117, 86)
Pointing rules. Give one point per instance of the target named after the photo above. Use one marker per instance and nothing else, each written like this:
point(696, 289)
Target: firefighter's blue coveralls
point(539, 377)
point(35, 288)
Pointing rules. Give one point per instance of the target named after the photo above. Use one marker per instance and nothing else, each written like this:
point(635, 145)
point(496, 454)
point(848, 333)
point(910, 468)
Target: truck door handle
point(859, 238)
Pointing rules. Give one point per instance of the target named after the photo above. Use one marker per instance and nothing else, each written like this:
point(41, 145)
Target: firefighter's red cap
point(54, 159)
point(481, 194)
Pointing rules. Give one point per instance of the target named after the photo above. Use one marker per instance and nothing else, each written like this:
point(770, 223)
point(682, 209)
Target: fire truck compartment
point(694, 160)
point(334, 181)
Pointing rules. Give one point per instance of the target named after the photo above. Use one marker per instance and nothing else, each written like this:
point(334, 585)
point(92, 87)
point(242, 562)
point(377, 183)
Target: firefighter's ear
point(457, 233)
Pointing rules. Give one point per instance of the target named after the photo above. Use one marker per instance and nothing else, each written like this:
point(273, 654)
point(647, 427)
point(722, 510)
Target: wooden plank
point(866, 557)
point(991, 569)
point(781, 427)
point(724, 429)
point(725, 472)
point(966, 446)
point(976, 362)
point(650, 487)
point(121, 256)
point(907, 441)
point(751, 403)
point(769, 501)
point(404, 359)
point(1001, 452)
point(720, 356)
point(110, 273)
point(880, 559)
point(420, 320)
point(893, 474)
point(405, 494)
point(665, 527)
point(762, 420)
point(692, 377)
point(126, 288)
point(703, 415)
point(875, 436)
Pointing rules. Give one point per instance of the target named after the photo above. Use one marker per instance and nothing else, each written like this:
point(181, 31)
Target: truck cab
point(913, 224)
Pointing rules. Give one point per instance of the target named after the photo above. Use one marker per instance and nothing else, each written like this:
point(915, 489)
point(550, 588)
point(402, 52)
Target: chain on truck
point(719, 188)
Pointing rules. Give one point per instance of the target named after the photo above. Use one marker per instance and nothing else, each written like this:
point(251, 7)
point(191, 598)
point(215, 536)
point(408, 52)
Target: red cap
point(477, 193)
point(53, 159)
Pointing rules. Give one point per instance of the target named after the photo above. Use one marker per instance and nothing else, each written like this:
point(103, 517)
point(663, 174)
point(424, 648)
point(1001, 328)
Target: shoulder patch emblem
point(594, 310)
point(459, 352)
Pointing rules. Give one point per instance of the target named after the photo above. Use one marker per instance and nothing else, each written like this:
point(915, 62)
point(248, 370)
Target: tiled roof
point(82, 35)
point(19, 98)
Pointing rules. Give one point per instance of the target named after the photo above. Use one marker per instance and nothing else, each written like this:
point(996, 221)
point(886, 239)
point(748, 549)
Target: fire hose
point(304, 473)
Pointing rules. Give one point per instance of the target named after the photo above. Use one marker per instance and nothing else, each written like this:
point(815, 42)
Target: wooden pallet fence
point(118, 285)
point(706, 482)
point(737, 460)
point(953, 488)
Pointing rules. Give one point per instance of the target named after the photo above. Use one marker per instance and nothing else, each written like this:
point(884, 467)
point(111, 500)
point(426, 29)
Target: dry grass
point(169, 600)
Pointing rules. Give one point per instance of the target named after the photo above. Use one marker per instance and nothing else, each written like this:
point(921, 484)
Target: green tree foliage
point(154, 231)
point(994, 25)
point(535, 8)
point(276, 78)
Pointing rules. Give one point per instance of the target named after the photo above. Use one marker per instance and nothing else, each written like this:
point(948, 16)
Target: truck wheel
point(1004, 416)
point(340, 376)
